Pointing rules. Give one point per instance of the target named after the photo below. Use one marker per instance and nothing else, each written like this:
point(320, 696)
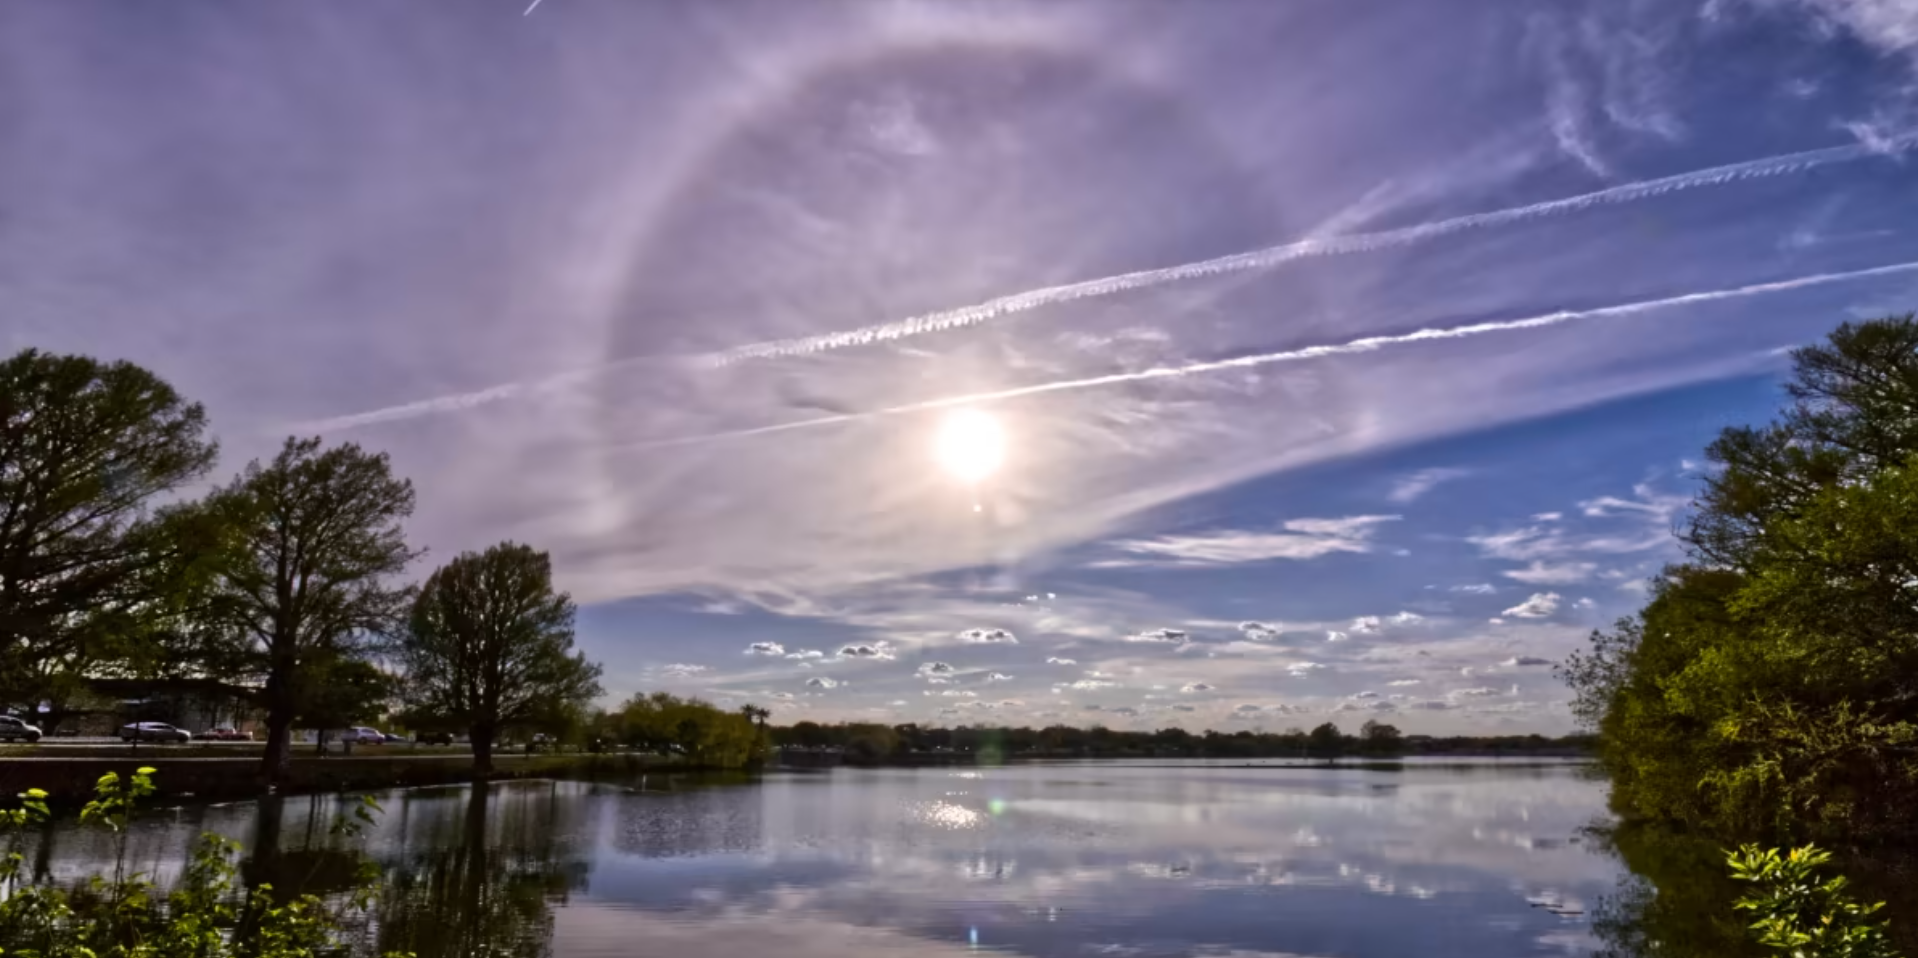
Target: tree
point(1771, 684)
point(1378, 738)
point(312, 543)
point(85, 447)
point(490, 645)
point(1326, 741)
point(335, 692)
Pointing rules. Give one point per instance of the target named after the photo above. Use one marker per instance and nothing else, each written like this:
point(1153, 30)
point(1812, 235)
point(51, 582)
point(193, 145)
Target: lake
point(1436, 859)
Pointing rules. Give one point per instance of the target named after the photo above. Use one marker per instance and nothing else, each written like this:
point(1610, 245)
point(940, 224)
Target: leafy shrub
point(1801, 916)
point(206, 915)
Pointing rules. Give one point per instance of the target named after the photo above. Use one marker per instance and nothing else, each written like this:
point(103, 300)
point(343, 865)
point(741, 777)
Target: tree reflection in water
point(479, 881)
point(1677, 899)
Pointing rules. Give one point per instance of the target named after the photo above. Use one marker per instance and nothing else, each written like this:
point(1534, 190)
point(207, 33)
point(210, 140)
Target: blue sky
point(1344, 360)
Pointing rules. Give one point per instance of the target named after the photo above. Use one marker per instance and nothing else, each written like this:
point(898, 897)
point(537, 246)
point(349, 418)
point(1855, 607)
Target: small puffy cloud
point(931, 670)
point(1055, 660)
point(1302, 669)
point(821, 682)
point(765, 648)
point(1585, 603)
point(1478, 588)
point(1249, 708)
point(1410, 487)
point(1430, 705)
point(988, 635)
point(957, 693)
point(1366, 624)
point(1365, 695)
point(1525, 660)
point(879, 651)
point(1197, 687)
point(1185, 708)
point(1540, 605)
point(1548, 516)
point(998, 677)
point(1334, 636)
point(803, 654)
point(1495, 620)
point(1407, 618)
point(1158, 635)
point(1478, 693)
point(1402, 683)
point(1260, 631)
point(1096, 674)
point(1123, 710)
point(680, 671)
point(1540, 572)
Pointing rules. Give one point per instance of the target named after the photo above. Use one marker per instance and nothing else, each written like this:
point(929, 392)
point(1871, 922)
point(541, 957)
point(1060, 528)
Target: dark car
point(436, 738)
point(226, 734)
point(392, 739)
point(154, 732)
point(17, 730)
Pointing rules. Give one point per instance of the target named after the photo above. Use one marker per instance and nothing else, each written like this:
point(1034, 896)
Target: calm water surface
point(1435, 860)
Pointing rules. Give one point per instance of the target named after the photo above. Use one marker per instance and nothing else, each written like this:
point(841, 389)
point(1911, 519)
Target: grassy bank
point(70, 779)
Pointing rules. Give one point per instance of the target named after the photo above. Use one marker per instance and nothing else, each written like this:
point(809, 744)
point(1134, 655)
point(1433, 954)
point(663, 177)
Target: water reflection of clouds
point(1193, 865)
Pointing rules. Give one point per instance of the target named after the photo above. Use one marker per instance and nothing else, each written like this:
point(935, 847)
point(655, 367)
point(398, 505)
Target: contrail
point(1274, 255)
point(1238, 262)
point(1365, 345)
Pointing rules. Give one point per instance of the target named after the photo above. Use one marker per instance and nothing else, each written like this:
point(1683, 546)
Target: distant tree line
point(1770, 684)
point(879, 743)
point(285, 587)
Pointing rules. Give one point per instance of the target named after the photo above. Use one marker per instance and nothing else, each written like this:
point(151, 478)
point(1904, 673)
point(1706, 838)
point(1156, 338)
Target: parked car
point(392, 739)
point(226, 734)
point(361, 735)
point(436, 738)
point(17, 730)
point(154, 732)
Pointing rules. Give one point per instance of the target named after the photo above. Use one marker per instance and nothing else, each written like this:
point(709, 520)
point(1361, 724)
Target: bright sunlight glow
point(971, 445)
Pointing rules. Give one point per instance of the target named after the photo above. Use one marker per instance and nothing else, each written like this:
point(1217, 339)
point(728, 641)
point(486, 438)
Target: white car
point(361, 735)
point(16, 730)
point(154, 732)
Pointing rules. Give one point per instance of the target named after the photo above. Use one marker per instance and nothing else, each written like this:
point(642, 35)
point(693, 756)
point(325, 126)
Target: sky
point(1227, 365)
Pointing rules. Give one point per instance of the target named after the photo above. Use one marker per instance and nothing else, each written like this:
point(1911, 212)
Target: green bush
point(1802, 916)
point(206, 915)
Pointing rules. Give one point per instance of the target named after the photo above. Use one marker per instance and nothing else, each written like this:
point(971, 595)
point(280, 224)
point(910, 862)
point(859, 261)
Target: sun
point(971, 445)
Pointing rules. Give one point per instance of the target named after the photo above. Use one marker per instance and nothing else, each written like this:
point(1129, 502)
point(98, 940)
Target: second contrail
point(1365, 345)
point(1266, 258)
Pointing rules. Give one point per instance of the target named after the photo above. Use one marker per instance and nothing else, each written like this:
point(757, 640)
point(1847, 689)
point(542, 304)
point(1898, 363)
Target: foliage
point(85, 447)
point(334, 692)
point(206, 915)
point(1771, 684)
point(1378, 738)
point(1063, 741)
point(702, 733)
point(1325, 741)
point(490, 646)
point(1801, 916)
point(312, 544)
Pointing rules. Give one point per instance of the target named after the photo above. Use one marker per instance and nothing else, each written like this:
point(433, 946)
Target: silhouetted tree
point(312, 545)
point(85, 447)
point(490, 646)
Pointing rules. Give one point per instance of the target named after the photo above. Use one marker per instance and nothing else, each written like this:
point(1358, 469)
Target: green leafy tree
point(490, 646)
point(335, 692)
point(312, 546)
point(85, 449)
point(1771, 684)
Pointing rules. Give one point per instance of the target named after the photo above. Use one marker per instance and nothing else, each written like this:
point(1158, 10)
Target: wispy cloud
point(1781, 165)
point(1302, 539)
point(1410, 487)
